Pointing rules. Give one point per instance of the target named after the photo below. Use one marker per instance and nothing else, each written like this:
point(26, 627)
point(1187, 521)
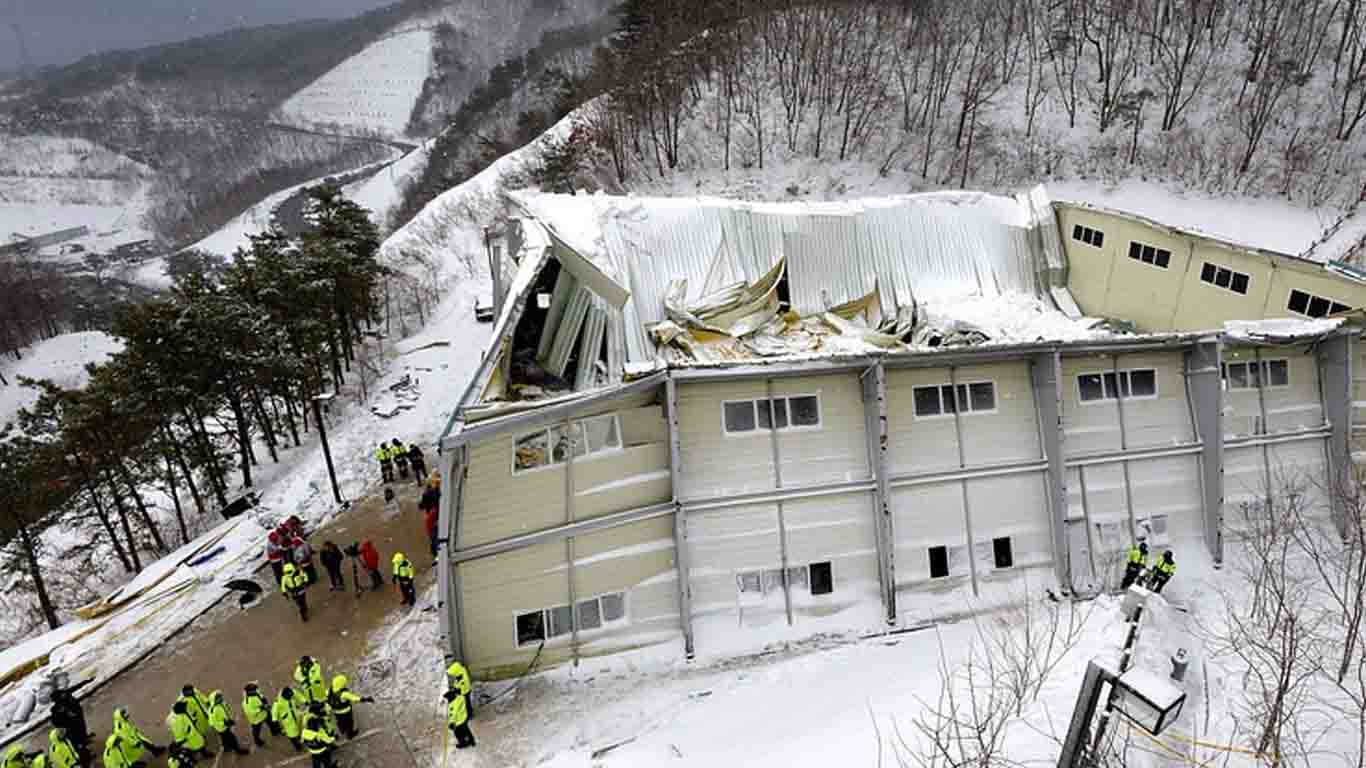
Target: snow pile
point(1009, 318)
point(373, 91)
point(1285, 327)
point(61, 358)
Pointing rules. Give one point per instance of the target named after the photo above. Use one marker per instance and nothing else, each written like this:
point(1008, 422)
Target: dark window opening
point(1142, 383)
point(1163, 258)
point(1319, 306)
point(1077, 232)
point(822, 579)
point(530, 628)
point(1001, 551)
point(1299, 302)
point(784, 292)
point(1207, 272)
point(525, 369)
point(927, 401)
point(1240, 281)
point(939, 562)
point(1097, 238)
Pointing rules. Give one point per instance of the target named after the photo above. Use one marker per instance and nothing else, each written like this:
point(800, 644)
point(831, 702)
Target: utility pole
point(318, 402)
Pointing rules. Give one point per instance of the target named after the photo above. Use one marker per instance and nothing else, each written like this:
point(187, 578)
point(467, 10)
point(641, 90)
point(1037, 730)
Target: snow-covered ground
point(381, 193)
point(373, 91)
point(61, 359)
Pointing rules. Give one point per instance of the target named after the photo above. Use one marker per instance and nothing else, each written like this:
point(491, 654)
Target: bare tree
point(1183, 52)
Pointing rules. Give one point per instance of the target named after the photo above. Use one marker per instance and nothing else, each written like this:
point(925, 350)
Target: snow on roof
point(1278, 328)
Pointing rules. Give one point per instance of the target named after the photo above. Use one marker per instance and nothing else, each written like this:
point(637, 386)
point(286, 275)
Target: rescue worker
point(132, 738)
point(196, 706)
point(275, 555)
point(418, 462)
point(63, 752)
point(1137, 563)
point(295, 586)
point(184, 733)
point(286, 717)
point(114, 756)
point(369, 557)
point(68, 715)
point(16, 757)
point(1161, 573)
point(403, 577)
point(399, 453)
point(332, 558)
point(256, 707)
point(319, 742)
point(386, 463)
point(458, 679)
point(458, 719)
point(341, 701)
point(39, 760)
point(221, 720)
point(308, 674)
point(302, 554)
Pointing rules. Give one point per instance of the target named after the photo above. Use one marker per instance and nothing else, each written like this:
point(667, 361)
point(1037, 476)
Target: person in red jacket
point(369, 557)
point(431, 518)
point(275, 555)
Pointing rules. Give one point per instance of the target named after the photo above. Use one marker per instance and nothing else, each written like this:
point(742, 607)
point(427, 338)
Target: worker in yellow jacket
point(221, 721)
point(458, 679)
point(319, 743)
point(386, 462)
point(404, 574)
point(294, 584)
point(256, 708)
point(286, 716)
point(63, 752)
point(184, 733)
point(114, 756)
point(458, 719)
point(131, 738)
point(308, 679)
point(341, 701)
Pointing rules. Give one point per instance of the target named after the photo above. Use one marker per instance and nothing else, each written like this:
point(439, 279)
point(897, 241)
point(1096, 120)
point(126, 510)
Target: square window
point(983, 396)
point(796, 576)
point(602, 434)
point(779, 413)
point(1299, 302)
point(1078, 232)
point(1277, 373)
point(531, 451)
point(1149, 254)
point(1223, 277)
point(1111, 385)
point(1240, 281)
point(1164, 257)
point(1318, 306)
point(939, 562)
point(739, 416)
point(1142, 383)
point(1207, 272)
point(751, 581)
point(562, 441)
point(822, 579)
point(559, 620)
point(926, 401)
point(1097, 238)
point(590, 614)
point(530, 628)
point(950, 402)
point(613, 606)
point(1237, 376)
point(1336, 308)
point(1001, 552)
point(1135, 251)
point(805, 410)
point(1090, 387)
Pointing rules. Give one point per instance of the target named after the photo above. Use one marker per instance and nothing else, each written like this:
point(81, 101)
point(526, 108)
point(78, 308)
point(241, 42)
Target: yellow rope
point(1220, 747)
point(445, 747)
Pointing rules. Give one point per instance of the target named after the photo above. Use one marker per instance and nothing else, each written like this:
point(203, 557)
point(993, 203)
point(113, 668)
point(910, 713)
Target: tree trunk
point(266, 428)
point(123, 522)
point(175, 500)
point(185, 470)
point(36, 571)
point(201, 436)
point(108, 524)
point(289, 419)
point(243, 439)
point(142, 506)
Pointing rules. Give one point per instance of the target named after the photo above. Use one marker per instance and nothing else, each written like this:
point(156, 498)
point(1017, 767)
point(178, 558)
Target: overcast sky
point(61, 31)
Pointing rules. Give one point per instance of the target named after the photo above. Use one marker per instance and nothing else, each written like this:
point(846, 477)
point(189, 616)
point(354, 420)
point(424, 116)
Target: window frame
point(789, 427)
point(1123, 373)
point(1088, 235)
point(996, 553)
point(1264, 374)
point(1220, 270)
point(1161, 258)
point(575, 424)
point(546, 622)
point(1334, 306)
point(947, 414)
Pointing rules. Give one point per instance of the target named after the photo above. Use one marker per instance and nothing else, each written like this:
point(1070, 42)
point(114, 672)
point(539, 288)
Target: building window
point(1134, 383)
point(1309, 305)
point(552, 445)
point(939, 400)
point(939, 562)
point(817, 577)
point(822, 579)
point(594, 613)
point(1001, 552)
point(1223, 277)
point(1092, 237)
point(785, 413)
point(1247, 375)
point(1149, 254)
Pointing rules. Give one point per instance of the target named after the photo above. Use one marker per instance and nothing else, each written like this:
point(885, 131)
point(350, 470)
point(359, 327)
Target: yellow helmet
point(339, 682)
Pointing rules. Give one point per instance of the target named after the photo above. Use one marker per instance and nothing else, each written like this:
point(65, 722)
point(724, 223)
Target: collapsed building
point(700, 422)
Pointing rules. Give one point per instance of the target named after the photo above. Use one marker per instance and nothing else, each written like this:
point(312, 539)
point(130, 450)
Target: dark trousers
point(464, 737)
point(1131, 572)
point(311, 571)
point(301, 600)
point(346, 723)
point(277, 567)
point(386, 470)
point(376, 578)
point(334, 575)
point(433, 539)
point(256, 731)
point(230, 742)
point(402, 468)
point(323, 759)
point(419, 471)
point(1157, 582)
point(298, 745)
point(409, 593)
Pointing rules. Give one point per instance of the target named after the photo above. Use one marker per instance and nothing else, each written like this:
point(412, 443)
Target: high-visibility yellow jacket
point(63, 752)
point(39, 761)
point(284, 715)
point(294, 582)
point(220, 717)
point(184, 732)
point(1136, 557)
point(1165, 568)
point(113, 753)
point(403, 569)
point(456, 713)
point(131, 738)
point(311, 684)
point(382, 454)
point(14, 757)
point(341, 699)
point(255, 707)
point(317, 741)
point(460, 678)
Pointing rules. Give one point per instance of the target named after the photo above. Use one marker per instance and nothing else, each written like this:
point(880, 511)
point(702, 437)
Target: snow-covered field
point(373, 91)
point(61, 359)
point(382, 192)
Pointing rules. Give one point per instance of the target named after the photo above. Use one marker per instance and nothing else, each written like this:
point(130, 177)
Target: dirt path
point(227, 647)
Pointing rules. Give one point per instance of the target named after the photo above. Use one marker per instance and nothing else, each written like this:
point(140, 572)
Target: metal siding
point(716, 464)
point(567, 332)
point(926, 516)
point(1014, 506)
point(1165, 420)
point(836, 451)
point(917, 445)
point(628, 480)
point(590, 346)
point(839, 530)
point(1298, 406)
point(1012, 432)
point(1170, 486)
point(499, 504)
point(622, 560)
point(721, 544)
point(495, 590)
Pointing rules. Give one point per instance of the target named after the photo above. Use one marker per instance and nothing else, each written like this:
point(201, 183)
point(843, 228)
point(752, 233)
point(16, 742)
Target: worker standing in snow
point(184, 733)
point(369, 557)
point(132, 737)
point(386, 463)
point(399, 452)
point(275, 555)
point(295, 586)
point(1162, 572)
point(458, 719)
point(221, 720)
point(403, 577)
point(286, 717)
point(418, 462)
point(256, 708)
point(341, 701)
point(392, 509)
point(319, 743)
point(458, 679)
point(1137, 562)
point(196, 706)
point(332, 559)
point(430, 517)
point(308, 677)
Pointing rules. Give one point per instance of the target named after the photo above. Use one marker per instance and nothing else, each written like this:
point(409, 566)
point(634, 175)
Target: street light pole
point(318, 402)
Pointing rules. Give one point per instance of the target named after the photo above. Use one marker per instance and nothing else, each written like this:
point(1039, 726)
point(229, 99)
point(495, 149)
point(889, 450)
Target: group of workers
point(394, 454)
point(1137, 571)
point(311, 715)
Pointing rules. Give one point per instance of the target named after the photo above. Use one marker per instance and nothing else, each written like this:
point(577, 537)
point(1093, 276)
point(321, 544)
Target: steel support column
point(448, 524)
point(1335, 376)
point(874, 386)
point(1205, 389)
point(1046, 374)
point(681, 553)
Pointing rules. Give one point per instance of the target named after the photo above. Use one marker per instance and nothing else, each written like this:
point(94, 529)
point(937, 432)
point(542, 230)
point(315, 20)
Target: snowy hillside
point(381, 193)
point(61, 359)
point(371, 92)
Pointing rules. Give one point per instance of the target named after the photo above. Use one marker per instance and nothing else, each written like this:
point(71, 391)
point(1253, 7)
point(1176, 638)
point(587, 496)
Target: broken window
point(531, 451)
point(552, 445)
point(530, 628)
